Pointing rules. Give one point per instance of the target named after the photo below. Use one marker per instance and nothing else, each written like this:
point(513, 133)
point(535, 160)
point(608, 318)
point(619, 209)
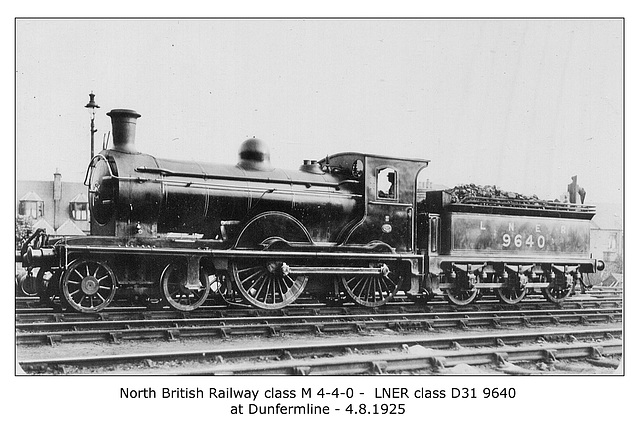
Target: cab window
point(387, 183)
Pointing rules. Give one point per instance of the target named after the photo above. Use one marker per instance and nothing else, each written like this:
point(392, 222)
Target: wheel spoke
point(175, 288)
point(379, 284)
point(362, 283)
point(263, 292)
point(371, 289)
point(249, 268)
point(391, 284)
point(275, 289)
point(258, 290)
point(253, 275)
point(282, 289)
point(291, 281)
point(368, 288)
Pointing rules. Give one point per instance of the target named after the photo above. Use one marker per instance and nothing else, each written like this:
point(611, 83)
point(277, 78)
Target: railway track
point(47, 315)
point(31, 305)
point(112, 329)
point(600, 346)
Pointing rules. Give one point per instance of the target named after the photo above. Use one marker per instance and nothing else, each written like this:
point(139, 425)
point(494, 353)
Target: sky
point(522, 104)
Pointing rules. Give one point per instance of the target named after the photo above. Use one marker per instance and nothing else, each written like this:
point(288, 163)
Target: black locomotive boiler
point(350, 226)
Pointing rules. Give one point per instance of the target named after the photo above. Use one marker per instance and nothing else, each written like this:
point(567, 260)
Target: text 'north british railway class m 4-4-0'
point(352, 226)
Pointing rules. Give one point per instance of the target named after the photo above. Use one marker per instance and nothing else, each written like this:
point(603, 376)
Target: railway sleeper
point(500, 358)
point(596, 352)
point(301, 370)
point(396, 326)
point(379, 367)
point(550, 356)
point(173, 334)
point(428, 326)
point(438, 362)
point(52, 339)
point(273, 331)
point(224, 333)
point(286, 355)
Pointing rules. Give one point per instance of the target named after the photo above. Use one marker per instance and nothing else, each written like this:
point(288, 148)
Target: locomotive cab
point(389, 197)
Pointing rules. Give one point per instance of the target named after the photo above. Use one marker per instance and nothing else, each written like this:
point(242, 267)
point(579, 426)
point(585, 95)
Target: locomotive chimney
point(123, 127)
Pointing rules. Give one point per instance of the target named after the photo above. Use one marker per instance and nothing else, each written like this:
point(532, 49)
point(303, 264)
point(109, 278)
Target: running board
point(338, 270)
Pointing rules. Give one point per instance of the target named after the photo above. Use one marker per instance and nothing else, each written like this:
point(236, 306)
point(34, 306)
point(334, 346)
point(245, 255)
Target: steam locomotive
point(351, 226)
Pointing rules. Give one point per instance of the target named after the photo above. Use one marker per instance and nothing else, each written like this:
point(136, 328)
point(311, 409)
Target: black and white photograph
point(416, 213)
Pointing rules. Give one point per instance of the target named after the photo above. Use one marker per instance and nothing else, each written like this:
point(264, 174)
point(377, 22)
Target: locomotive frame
point(353, 222)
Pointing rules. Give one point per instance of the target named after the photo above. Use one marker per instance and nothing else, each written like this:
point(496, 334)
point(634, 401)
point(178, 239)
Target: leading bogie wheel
point(177, 294)
point(267, 284)
point(373, 290)
point(88, 286)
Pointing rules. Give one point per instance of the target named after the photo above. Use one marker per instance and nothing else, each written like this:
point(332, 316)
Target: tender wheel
point(556, 294)
point(267, 284)
point(373, 290)
point(175, 292)
point(460, 297)
point(88, 286)
point(511, 295)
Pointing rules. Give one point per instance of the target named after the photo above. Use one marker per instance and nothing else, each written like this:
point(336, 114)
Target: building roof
point(80, 197)
point(68, 228)
point(42, 223)
point(31, 196)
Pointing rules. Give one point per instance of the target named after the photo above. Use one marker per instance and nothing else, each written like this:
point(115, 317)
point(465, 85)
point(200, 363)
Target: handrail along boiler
point(352, 226)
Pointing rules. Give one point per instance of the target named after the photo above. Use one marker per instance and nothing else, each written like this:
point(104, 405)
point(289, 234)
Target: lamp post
point(92, 106)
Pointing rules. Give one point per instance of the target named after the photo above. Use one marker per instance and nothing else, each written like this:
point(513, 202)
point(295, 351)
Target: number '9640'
point(519, 241)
